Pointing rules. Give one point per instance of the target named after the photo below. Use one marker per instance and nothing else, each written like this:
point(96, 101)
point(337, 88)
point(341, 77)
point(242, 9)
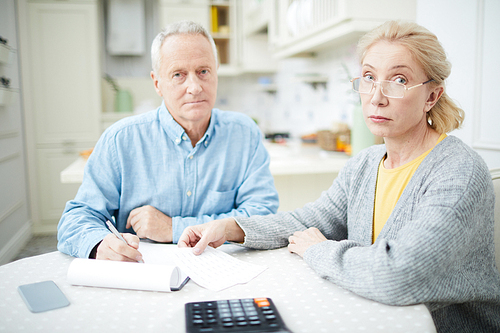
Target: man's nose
point(193, 85)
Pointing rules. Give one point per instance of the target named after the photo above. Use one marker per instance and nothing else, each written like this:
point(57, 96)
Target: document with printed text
point(165, 268)
point(215, 269)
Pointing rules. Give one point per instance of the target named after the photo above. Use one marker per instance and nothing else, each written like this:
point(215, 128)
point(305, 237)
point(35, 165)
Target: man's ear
point(156, 83)
point(434, 96)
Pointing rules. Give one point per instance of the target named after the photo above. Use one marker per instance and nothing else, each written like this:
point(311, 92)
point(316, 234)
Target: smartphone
point(42, 296)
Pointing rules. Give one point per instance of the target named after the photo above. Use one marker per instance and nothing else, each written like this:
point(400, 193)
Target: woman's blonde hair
point(427, 51)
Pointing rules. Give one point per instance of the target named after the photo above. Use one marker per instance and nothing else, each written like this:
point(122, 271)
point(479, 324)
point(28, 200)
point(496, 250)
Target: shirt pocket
point(218, 202)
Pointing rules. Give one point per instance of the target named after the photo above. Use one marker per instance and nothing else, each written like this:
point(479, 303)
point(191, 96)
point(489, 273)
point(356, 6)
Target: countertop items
point(306, 302)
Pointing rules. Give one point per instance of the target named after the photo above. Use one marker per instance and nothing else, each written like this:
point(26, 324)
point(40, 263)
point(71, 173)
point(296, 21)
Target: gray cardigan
point(436, 248)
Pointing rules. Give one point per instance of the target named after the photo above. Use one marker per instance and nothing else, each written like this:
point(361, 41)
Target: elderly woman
point(407, 222)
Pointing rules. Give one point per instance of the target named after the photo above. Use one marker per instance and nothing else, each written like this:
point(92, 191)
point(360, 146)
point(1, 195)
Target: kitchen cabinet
point(52, 194)
point(172, 11)
point(61, 85)
point(254, 18)
point(15, 226)
point(302, 27)
point(217, 16)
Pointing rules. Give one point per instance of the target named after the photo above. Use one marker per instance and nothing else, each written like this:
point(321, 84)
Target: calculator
point(234, 315)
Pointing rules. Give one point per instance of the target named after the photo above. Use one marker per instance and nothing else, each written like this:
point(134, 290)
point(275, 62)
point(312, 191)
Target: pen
point(117, 234)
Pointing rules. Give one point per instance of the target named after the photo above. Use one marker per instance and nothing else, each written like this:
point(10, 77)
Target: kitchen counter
point(301, 171)
point(296, 158)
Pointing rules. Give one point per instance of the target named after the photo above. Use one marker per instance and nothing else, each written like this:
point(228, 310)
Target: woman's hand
point(213, 233)
point(300, 241)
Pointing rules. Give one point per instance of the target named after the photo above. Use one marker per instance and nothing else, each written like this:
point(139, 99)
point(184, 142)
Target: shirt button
point(184, 138)
point(177, 141)
point(191, 157)
point(188, 193)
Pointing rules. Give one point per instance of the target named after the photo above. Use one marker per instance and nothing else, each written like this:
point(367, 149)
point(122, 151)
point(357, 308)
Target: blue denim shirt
point(149, 160)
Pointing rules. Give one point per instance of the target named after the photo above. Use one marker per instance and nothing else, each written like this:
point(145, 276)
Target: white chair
point(495, 175)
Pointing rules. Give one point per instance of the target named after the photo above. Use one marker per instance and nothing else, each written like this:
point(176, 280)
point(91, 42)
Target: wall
point(297, 107)
point(472, 48)
point(468, 30)
point(15, 225)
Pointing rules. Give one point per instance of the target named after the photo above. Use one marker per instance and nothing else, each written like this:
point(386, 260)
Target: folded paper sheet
point(122, 275)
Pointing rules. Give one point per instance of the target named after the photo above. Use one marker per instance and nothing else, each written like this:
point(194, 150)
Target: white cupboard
point(307, 26)
point(61, 85)
point(218, 17)
point(15, 226)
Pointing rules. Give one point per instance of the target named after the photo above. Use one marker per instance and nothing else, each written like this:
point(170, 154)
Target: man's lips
point(195, 102)
point(379, 119)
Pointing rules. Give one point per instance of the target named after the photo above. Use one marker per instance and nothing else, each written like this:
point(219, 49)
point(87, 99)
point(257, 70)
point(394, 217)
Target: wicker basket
point(327, 140)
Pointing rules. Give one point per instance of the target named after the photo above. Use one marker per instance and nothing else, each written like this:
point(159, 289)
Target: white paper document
point(215, 269)
point(165, 268)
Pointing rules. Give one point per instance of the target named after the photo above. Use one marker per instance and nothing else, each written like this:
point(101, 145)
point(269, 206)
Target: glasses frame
point(382, 89)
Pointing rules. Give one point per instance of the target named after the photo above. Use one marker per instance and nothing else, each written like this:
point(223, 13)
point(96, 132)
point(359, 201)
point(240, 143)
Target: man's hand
point(149, 222)
point(112, 248)
point(213, 233)
point(300, 241)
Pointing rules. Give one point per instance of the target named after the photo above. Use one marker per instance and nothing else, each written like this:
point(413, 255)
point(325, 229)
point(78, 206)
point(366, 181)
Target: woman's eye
point(400, 80)
point(368, 77)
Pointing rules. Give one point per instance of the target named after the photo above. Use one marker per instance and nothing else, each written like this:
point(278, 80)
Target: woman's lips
point(379, 119)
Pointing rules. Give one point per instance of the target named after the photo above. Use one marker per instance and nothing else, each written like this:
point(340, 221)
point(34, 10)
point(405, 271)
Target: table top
point(306, 302)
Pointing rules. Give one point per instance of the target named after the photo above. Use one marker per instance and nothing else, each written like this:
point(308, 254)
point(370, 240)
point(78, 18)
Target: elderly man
point(182, 164)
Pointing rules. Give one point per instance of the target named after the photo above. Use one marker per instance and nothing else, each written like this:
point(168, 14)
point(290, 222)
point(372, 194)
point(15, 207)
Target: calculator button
point(242, 323)
point(255, 322)
point(261, 302)
point(270, 317)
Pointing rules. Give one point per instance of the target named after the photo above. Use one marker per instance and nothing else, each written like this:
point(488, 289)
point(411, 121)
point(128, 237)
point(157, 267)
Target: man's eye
point(177, 75)
point(204, 71)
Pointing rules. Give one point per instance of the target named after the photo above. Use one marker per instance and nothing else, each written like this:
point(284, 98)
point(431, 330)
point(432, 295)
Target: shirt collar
point(175, 131)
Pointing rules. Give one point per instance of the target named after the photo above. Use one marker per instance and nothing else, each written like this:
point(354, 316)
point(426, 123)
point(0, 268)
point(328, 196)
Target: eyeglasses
point(389, 89)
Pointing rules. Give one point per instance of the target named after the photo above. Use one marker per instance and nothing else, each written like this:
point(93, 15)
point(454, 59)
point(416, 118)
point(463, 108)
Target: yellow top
point(390, 185)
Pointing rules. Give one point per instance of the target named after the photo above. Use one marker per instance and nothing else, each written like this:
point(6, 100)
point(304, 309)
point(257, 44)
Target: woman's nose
point(378, 98)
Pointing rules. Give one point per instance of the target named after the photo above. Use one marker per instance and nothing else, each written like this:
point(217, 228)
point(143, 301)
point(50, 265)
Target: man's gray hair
point(182, 27)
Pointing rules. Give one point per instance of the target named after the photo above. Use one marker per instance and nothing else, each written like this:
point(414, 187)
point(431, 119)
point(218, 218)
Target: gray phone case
point(42, 296)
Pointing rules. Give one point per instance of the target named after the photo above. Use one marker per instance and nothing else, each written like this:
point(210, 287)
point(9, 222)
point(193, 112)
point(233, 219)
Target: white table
point(306, 302)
